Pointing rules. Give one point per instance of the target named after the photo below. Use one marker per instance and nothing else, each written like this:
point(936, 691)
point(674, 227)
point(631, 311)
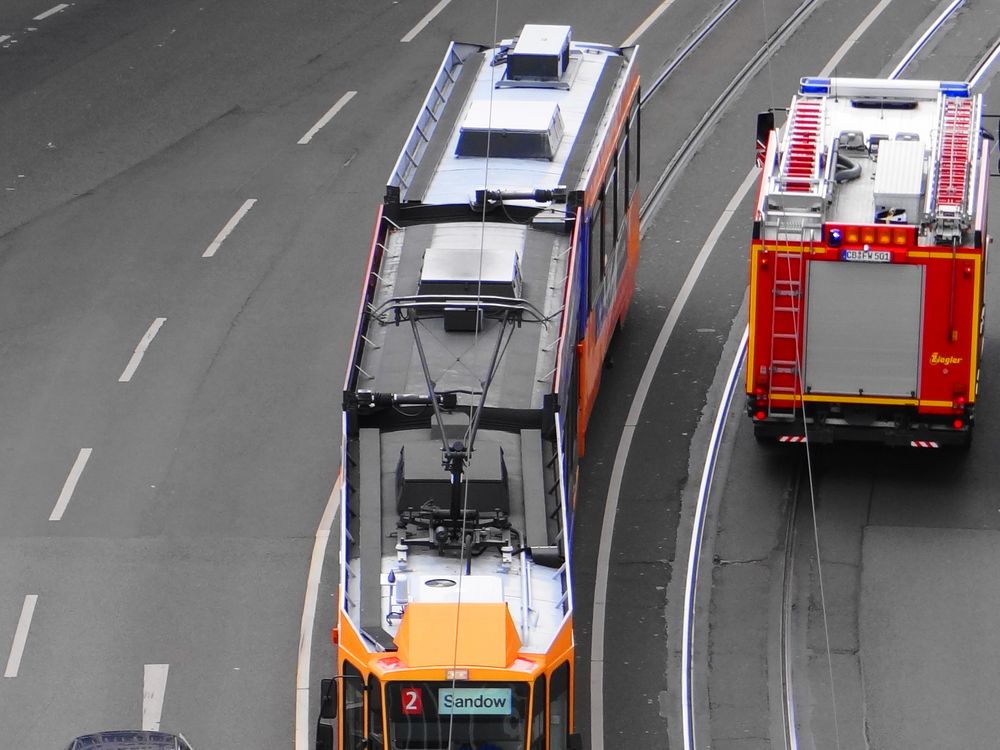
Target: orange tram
point(503, 258)
point(867, 264)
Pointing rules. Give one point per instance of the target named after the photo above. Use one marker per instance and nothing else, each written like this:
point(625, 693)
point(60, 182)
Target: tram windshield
point(457, 716)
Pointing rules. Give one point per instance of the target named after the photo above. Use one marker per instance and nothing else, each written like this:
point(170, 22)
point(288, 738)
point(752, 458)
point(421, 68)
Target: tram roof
point(540, 130)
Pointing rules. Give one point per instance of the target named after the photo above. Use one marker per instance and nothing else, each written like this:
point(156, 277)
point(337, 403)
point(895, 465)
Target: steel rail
point(712, 115)
point(699, 35)
point(785, 617)
point(786, 677)
point(697, 534)
point(924, 38)
point(984, 65)
point(663, 183)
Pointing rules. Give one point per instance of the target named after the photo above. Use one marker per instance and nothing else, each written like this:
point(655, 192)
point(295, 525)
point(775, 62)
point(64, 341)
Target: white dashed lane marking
point(230, 226)
point(154, 685)
point(331, 113)
point(70, 486)
point(140, 350)
point(51, 12)
point(21, 636)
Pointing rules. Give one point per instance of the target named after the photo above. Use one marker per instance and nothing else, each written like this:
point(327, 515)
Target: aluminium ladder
point(956, 140)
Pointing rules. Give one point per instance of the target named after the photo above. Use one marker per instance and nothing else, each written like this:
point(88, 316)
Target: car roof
point(127, 739)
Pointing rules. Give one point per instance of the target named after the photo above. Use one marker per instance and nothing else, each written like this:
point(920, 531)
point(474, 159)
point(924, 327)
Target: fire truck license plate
point(866, 256)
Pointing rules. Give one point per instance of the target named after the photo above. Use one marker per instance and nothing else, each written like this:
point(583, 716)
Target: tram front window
point(457, 716)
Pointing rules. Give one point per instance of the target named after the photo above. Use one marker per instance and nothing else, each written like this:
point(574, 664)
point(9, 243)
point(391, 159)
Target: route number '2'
point(413, 701)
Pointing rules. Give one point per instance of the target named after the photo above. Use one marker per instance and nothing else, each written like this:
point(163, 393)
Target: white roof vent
point(541, 53)
point(513, 129)
point(449, 588)
point(471, 270)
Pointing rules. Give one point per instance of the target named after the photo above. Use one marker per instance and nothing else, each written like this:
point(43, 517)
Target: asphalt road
point(131, 134)
point(907, 551)
point(172, 419)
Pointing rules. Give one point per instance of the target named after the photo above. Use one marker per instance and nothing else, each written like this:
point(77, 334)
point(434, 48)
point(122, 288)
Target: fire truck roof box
point(899, 178)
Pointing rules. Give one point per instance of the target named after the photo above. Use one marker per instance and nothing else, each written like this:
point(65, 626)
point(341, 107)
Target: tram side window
point(354, 708)
point(608, 220)
point(376, 737)
point(559, 708)
point(596, 254)
point(625, 159)
point(538, 715)
point(621, 191)
point(634, 130)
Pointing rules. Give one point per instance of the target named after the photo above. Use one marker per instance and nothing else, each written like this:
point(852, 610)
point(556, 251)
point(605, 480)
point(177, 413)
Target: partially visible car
point(129, 739)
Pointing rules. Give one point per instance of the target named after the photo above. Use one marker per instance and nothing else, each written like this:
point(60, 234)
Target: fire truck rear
point(867, 264)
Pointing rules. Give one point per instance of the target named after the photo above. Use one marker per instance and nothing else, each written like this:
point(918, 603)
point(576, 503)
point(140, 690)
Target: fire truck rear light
point(760, 414)
point(758, 392)
point(957, 424)
point(835, 238)
point(334, 636)
point(867, 235)
point(884, 237)
point(853, 235)
point(960, 401)
point(899, 237)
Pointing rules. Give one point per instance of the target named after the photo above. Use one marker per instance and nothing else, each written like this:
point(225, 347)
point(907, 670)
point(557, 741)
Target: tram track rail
point(803, 467)
point(663, 184)
point(800, 480)
point(697, 136)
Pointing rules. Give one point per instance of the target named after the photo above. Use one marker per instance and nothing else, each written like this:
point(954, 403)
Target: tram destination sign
point(479, 701)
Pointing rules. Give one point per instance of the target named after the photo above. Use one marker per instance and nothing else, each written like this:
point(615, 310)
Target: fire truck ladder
point(786, 320)
point(799, 170)
point(954, 158)
point(793, 219)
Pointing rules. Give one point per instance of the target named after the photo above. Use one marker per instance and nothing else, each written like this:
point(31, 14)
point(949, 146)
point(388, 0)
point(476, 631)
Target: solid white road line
point(986, 66)
point(650, 20)
point(302, 676)
point(425, 20)
point(20, 636)
point(618, 468)
point(635, 410)
point(327, 117)
point(140, 350)
point(70, 486)
point(154, 685)
point(50, 12)
point(853, 39)
point(230, 226)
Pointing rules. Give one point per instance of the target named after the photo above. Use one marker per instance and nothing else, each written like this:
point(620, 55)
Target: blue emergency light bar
point(814, 86)
point(956, 88)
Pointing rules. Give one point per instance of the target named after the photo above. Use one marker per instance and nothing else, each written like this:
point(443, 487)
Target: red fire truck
point(867, 264)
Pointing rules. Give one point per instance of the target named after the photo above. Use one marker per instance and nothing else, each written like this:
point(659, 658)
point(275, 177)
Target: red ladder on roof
point(799, 165)
point(953, 160)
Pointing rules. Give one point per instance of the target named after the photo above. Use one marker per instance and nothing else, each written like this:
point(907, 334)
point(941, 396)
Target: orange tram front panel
point(867, 265)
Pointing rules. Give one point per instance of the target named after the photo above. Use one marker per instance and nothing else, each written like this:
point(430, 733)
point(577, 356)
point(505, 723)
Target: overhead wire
point(474, 418)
